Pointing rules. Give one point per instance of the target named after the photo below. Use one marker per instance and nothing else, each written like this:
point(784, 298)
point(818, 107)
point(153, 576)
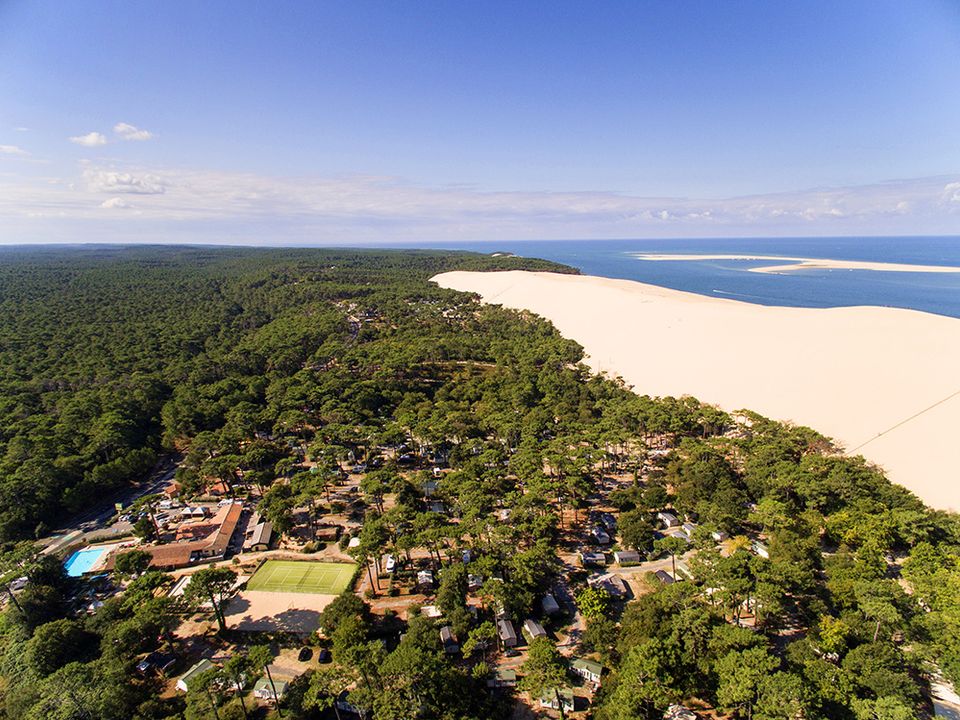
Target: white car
point(391, 563)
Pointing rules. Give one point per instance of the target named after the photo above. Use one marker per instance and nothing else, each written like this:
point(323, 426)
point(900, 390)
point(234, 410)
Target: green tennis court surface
point(302, 576)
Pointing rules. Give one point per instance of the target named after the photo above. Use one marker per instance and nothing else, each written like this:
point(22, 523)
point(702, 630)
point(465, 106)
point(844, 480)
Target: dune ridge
point(881, 381)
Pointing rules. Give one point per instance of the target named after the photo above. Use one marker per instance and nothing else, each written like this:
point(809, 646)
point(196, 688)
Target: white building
point(668, 519)
point(183, 684)
point(626, 556)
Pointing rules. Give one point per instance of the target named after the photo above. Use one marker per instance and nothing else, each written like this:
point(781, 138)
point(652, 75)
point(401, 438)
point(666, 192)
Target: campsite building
point(592, 558)
point(183, 684)
point(668, 519)
point(209, 540)
point(502, 678)
point(679, 712)
point(508, 636)
point(665, 577)
point(600, 535)
point(263, 690)
point(613, 584)
point(554, 699)
point(760, 549)
point(533, 630)
point(260, 538)
point(587, 669)
point(449, 643)
point(550, 604)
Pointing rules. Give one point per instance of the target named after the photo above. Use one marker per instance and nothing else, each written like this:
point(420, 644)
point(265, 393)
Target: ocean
point(937, 293)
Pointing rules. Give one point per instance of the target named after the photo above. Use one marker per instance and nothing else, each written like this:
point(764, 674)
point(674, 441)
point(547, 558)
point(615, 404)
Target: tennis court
point(320, 578)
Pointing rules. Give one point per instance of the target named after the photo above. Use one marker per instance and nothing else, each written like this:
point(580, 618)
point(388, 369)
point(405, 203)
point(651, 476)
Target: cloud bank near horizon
point(114, 202)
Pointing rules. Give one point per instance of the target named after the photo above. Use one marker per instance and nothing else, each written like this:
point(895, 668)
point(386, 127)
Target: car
point(359, 468)
point(324, 656)
point(511, 652)
point(304, 654)
point(391, 563)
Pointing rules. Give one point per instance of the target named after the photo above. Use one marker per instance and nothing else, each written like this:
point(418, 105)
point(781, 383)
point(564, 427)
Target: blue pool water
point(82, 560)
point(929, 292)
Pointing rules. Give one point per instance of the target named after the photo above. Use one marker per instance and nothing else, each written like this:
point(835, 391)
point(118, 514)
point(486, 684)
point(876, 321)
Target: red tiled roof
point(171, 556)
point(179, 554)
point(218, 488)
point(228, 518)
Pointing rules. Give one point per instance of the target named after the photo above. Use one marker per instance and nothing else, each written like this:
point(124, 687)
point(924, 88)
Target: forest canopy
point(105, 352)
point(814, 588)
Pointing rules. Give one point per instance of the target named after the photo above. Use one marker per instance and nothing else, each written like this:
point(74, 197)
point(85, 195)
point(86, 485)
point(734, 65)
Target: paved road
point(92, 522)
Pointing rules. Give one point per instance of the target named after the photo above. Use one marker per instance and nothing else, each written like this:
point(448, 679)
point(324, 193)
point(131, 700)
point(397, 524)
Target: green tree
point(481, 640)
point(647, 682)
point(636, 529)
point(203, 694)
point(212, 584)
point(237, 670)
point(132, 562)
point(452, 593)
point(346, 605)
point(741, 675)
point(144, 529)
point(593, 602)
point(672, 546)
point(544, 671)
point(56, 644)
point(260, 657)
point(783, 696)
point(327, 683)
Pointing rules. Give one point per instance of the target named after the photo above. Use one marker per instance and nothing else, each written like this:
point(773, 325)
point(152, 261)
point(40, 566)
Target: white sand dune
point(883, 382)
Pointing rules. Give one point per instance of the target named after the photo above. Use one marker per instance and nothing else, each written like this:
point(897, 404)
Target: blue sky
point(353, 121)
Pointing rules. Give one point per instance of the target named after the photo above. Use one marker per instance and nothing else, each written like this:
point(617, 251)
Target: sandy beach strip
point(791, 264)
point(882, 382)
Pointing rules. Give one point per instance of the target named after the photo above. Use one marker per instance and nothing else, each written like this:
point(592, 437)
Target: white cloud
point(951, 192)
point(115, 203)
point(111, 181)
point(13, 150)
point(207, 205)
point(92, 139)
point(131, 132)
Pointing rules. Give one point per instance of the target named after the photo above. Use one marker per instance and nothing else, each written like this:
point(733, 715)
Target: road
point(91, 522)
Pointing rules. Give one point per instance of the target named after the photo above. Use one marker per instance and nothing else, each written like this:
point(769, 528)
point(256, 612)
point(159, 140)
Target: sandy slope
point(860, 375)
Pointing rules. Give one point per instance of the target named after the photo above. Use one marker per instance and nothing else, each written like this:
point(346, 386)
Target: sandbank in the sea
point(793, 264)
point(880, 381)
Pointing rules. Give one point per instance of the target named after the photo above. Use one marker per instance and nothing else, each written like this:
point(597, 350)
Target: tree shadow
point(236, 605)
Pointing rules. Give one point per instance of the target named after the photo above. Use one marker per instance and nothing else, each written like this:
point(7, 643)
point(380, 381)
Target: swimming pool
point(82, 561)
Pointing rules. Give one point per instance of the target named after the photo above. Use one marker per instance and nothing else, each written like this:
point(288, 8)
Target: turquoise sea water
point(82, 560)
point(930, 292)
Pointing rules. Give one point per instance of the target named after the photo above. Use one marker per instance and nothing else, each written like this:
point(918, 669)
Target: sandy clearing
point(263, 611)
